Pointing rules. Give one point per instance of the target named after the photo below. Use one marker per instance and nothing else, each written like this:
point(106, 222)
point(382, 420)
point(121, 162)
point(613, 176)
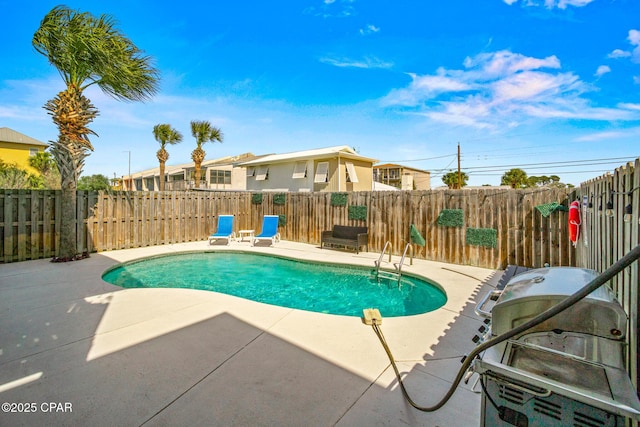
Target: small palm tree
point(450, 179)
point(45, 164)
point(202, 131)
point(516, 178)
point(165, 134)
point(86, 50)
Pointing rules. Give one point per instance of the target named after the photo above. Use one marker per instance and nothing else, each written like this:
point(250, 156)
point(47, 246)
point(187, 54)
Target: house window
point(251, 171)
point(351, 172)
point(219, 176)
point(263, 173)
point(322, 173)
point(149, 183)
point(33, 151)
point(300, 170)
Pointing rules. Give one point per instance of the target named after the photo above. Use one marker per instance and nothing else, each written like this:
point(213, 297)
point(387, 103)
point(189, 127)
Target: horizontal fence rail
point(518, 232)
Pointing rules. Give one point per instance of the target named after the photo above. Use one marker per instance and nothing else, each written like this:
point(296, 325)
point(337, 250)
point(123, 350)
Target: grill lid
point(535, 291)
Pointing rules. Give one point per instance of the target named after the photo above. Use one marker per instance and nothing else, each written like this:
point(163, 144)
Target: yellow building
point(16, 148)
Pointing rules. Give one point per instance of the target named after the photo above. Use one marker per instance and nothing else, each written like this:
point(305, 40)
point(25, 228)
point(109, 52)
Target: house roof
point(10, 135)
point(393, 165)
point(173, 169)
point(342, 150)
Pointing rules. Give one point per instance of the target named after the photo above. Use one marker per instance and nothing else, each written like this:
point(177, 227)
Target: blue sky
point(550, 86)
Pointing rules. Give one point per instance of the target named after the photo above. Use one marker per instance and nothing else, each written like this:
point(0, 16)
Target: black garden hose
point(600, 280)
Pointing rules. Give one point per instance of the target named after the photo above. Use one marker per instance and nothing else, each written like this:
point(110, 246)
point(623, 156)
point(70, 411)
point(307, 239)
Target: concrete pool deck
point(75, 350)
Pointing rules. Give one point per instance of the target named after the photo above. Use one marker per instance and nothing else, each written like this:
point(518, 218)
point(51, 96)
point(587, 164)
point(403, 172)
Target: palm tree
point(165, 134)
point(516, 178)
point(86, 50)
point(42, 161)
point(45, 164)
point(450, 179)
point(202, 131)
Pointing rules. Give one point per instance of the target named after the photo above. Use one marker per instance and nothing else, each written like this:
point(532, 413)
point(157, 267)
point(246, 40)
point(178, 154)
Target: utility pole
point(459, 173)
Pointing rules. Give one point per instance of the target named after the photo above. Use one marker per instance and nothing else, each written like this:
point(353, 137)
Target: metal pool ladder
point(393, 275)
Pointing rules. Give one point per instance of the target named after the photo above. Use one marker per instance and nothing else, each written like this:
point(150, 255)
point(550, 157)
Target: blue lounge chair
point(225, 229)
point(269, 230)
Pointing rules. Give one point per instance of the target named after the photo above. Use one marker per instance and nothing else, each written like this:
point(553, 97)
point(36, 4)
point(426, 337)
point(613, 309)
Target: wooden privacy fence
point(514, 231)
point(607, 235)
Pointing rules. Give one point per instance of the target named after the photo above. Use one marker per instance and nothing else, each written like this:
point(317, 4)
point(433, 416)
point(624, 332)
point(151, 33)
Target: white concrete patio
point(132, 357)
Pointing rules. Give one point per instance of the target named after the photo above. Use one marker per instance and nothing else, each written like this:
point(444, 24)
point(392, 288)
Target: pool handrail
point(399, 265)
point(379, 261)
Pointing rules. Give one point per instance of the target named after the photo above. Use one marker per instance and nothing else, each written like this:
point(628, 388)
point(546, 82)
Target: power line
point(567, 163)
point(418, 160)
point(549, 173)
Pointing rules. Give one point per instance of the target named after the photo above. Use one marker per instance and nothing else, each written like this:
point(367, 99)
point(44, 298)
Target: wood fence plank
point(8, 237)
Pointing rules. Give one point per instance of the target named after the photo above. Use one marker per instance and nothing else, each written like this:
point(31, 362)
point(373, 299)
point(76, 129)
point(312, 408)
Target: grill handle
point(491, 295)
point(540, 392)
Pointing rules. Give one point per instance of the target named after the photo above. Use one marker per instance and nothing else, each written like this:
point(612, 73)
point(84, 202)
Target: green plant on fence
point(339, 199)
point(451, 218)
point(482, 237)
point(358, 212)
point(279, 199)
point(256, 198)
point(282, 220)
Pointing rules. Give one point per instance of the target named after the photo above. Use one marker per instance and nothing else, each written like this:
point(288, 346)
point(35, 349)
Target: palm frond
point(87, 50)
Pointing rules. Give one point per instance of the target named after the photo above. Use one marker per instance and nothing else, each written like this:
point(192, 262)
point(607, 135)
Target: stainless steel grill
point(568, 370)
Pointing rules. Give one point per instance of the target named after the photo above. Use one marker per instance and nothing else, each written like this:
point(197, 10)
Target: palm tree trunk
point(70, 160)
point(198, 156)
point(161, 183)
point(197, 176)
point(68, 248)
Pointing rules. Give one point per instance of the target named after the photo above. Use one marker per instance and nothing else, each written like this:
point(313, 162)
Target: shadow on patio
point(171, 359)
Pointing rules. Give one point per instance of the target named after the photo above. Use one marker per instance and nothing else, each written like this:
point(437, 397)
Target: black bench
point(347, 236)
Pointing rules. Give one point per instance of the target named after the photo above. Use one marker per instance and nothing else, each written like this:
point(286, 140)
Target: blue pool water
point(324, 288)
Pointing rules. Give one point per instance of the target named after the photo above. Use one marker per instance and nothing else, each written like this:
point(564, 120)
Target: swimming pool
point(318, 287)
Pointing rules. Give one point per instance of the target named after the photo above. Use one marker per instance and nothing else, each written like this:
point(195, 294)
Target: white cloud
point(601, 135)
point(367, 62)
point(531, 86)
point(505, 62)
point(602, 70)
point(332, 9)
point(634, 39)
point(562, 4)
point(501, 89)
point(619, 53)
point(423, 88)
point(629, 106)
point(636, 80)
point(550, 4)
point(370, 29)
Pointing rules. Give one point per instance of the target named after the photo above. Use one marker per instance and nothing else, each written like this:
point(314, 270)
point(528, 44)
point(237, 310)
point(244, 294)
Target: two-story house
point(16, 148)
point(402, 177)
point(325, 169)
